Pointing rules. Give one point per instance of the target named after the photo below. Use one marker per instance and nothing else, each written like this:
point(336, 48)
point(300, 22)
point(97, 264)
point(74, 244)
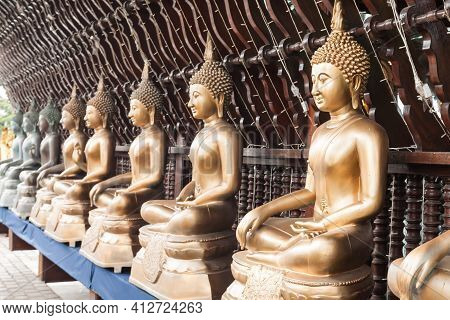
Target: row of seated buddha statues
point(183, 248)
point(28, 158)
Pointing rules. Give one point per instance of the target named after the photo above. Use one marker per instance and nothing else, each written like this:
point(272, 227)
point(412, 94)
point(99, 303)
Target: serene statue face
point(202, 103)
point(93, 117)
point(43, 124)
point(330, 90)
point(139, 114)
point(67, 121)
point(27, 125)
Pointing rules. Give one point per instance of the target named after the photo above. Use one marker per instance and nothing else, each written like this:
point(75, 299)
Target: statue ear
point(355, 86)
point(105, 121)
point(220, 100)
point(77, 123)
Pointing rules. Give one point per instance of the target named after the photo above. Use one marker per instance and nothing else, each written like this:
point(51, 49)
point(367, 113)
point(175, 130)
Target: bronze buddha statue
point(68, 220)
point(112, 239)
point(49, 152)
point(326, 256)
point(424, 274)
point(187, 246)
point(61, 175)
point(16, 148)
point(30, 153)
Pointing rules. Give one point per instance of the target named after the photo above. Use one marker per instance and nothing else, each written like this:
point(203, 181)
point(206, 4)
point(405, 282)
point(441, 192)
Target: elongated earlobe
point(220, 101)
point(105, 121)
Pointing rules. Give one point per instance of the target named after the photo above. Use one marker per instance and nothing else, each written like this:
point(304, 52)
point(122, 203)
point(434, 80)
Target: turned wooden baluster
point(285, 185)
point(432, 208)
point(414, 188)
point(169, 180)
point(243, 193)
point(259, 186)
point(446, 193)
point(251, 190)
point(267, 193)
point(295, 185)
point(380, 247)
point(276, 182)
point(397, 210)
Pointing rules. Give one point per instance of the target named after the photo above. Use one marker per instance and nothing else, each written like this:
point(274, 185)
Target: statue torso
point(16, 147)
point(69, 146)
point(31, 146)
point(49, 140)
point(205, 157)
point(333, 159)
point(93, 149)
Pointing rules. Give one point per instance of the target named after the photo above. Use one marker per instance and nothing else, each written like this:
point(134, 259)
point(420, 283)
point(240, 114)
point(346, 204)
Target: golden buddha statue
point(326, 256)
point(49, 152)
point(6, 144)
point(112, 240)
point(424, 273)
point(187, 246)
point(16, 147)
point(68, 220)
point(30, 153)
point(62, 175)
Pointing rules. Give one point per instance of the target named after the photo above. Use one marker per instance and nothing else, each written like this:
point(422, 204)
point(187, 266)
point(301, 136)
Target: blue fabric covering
point(104, 282)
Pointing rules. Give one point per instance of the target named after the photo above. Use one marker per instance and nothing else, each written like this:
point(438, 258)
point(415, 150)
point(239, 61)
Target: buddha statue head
point(73, 112)
point(49, 117)
point(210, 87)
point(340, 68)
point(146, 101)
point(101, 108)
point(16, 122)
point(31, 118)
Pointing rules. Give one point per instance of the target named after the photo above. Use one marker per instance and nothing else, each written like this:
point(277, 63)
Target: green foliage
point(6, 113)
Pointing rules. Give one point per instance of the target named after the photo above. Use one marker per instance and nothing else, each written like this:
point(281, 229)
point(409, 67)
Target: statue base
point(9, 193)
point(24, 201)
point(257, 282)
point(42, 207)
point(183, 267)
point(111, 241)
point(68, 221)
point(436, 286)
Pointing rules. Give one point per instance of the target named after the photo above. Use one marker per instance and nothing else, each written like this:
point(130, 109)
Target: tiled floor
point(18, 278)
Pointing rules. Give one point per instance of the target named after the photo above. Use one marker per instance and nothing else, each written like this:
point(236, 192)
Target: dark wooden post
point(16, 243)
point(446, 193)
point(432, 208)
point(380, 248)
point(179, 163)
point(414, 188)
point(3, 229)
point(50, 272)
point(397, 216)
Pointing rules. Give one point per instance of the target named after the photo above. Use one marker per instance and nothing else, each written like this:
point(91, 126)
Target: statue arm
point(230, 149)
point(6, 160)
point(124, 178)
point(372, 147)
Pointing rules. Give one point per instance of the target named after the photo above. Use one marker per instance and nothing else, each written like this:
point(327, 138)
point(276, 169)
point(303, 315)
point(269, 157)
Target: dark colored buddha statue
point(16, 147)
point(68, 220)
point(55, 180)
point(50, 149)
point(424, 274)
point(189, 241)
point(326, 256)
point(112, 239)
point(30, 156)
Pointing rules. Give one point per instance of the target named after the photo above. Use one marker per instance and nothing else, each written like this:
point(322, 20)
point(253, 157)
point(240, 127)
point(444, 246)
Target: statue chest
point(204, 154)
point(139, 152)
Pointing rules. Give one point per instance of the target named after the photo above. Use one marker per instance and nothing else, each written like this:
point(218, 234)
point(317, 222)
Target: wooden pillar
point(414, 188)
point(3, 229)
point(50, 272)
point(380, 248)
point(397, 216)
point(432, 208)
point(16, 243)
point(446, 193)
point(94, 296)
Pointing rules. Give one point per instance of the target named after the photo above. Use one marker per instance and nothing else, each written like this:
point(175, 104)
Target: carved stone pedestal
point(256, 282)
point(9, 193)
point(183, 267)
point(436, 286)
point(68, 221)
point(111, 241)
point(42, 207)
point(24, 201)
